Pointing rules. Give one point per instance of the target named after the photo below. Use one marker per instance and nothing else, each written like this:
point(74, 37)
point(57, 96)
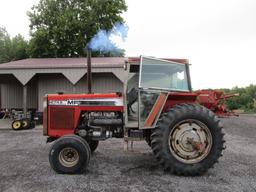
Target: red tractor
point(157, 105)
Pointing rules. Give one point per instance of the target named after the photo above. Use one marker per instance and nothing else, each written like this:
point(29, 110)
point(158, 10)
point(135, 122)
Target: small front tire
point(69, 155)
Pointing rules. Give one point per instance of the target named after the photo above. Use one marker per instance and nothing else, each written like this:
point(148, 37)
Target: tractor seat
point(132, 96)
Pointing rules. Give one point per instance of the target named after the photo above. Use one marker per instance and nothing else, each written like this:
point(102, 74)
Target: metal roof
point(64, 63)
point(71, 68)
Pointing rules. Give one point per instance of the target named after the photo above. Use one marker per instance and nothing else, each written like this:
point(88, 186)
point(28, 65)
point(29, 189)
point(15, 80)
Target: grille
point(62, 118)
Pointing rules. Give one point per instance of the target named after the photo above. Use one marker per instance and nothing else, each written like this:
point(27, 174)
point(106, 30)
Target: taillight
point(45, 115)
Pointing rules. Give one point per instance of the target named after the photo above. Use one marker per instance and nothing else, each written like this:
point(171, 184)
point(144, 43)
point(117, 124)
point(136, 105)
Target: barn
point(25, 82)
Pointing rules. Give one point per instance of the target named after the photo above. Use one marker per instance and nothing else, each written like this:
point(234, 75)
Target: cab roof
point(136, 60)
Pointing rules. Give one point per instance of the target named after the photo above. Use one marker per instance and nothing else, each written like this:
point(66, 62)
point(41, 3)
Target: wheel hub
point(68, 157)
point(185, 137)
point(190, 141)
point(16, 125)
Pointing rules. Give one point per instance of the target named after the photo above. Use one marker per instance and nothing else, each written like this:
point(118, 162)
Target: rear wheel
point(69, 154)
point(188, 140)
point(16, 125)
point(25, 123)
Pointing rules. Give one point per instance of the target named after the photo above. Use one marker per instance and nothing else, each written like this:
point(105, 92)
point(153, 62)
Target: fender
point(164, 102)
point(179, 98)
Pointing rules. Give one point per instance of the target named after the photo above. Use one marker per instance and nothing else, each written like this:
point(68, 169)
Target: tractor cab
point(149, 82)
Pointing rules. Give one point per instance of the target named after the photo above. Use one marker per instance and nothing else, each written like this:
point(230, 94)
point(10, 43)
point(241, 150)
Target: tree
point(18, 48)
point(246, 100)
point(5, 43)
point(62, 28)
point(11, 48)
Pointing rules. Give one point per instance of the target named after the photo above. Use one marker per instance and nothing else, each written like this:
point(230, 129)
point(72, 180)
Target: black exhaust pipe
point(89, 70)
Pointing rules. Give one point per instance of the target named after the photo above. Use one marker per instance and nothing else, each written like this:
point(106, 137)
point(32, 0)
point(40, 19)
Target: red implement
point(215, 101)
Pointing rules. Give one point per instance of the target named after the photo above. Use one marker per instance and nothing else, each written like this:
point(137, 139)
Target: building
point(25, 82)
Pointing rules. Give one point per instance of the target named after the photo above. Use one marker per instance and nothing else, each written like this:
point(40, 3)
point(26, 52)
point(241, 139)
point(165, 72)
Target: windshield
point(159, 74)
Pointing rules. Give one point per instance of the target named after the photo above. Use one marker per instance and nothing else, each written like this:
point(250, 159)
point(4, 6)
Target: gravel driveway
point(24, 165)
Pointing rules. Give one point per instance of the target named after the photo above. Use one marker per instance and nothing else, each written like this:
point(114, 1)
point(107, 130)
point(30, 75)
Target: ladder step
point(135, 133)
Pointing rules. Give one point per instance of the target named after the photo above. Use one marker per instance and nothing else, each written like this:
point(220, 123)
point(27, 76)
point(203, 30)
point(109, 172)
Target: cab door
point(151, 97)
point(157, 78)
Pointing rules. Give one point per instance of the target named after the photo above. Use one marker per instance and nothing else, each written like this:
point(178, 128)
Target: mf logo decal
point(88, 102)
point(63, 102)
point(73, 102)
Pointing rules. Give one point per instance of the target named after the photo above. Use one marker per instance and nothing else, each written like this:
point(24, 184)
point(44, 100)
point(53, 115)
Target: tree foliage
point(246, 100)
point(12, 48)
point(18, 48)
point(62, 28)
point(4, 45)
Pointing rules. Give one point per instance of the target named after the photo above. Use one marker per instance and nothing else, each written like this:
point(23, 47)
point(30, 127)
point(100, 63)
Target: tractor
point(157, 106)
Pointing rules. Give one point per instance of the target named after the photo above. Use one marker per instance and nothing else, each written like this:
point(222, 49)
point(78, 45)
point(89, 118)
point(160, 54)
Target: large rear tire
point(188, 140)
point(69, 155)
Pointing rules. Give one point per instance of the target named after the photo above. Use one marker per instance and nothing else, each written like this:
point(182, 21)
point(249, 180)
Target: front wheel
point(69, 154)
point(16, 125)
point(188, 140)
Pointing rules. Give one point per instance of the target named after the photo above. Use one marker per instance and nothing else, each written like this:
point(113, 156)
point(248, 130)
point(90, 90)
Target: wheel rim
point(68, 157)
point(190, 141)
point(16, 125)
point(24, 123)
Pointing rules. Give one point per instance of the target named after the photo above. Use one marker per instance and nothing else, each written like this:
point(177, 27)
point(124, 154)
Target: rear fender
point(179, 98)
point(164, 102)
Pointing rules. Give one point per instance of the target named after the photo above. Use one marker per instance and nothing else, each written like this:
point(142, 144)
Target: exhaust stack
point(89, 71)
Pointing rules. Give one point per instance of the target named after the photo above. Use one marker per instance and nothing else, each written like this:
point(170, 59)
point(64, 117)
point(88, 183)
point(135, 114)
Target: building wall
point(12, 93)
point(42, 84)
point(53, 83)
point(101, 83)
point(32, 93)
